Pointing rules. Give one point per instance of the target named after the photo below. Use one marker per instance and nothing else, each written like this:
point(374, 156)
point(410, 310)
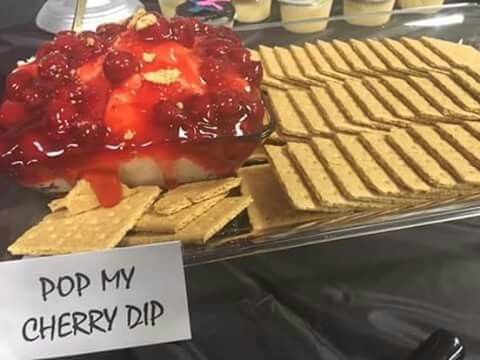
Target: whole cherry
point(119, 66)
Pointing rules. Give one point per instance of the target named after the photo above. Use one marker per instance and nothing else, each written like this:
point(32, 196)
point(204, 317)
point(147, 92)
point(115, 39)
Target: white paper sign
point(73, 304)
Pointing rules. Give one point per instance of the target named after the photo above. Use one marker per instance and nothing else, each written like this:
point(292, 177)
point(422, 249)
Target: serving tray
point(21, 208)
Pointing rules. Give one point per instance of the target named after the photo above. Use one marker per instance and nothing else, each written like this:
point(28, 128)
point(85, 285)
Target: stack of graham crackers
point(371, 127)
point(191, 213)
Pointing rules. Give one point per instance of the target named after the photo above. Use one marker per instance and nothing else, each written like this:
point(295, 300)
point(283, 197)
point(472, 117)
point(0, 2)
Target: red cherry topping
point(85, 105)
point(199, 27)
point(212, 70)
point(33, 96)
point(240, 55)
point(119, 66)
point(183, 31)
point(17, 82)
point(45, 49)
point(13, 113)
point(93, 42)
point(218, 47)
point(203, 109)
point(61, 116)
point(54, 67)
point(228, 103)
point(156, 32)
point(33, 147)
point(66, 43)
point(253, 72)
point(109, 32)
point(89, 131)
point(227, 33)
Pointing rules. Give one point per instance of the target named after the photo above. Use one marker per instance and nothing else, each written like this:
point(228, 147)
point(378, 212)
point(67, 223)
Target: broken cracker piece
point(82, 198)
point(207, 225)
point(186, 195)
point(99, 229)
point(163, 76)
point(154, 223)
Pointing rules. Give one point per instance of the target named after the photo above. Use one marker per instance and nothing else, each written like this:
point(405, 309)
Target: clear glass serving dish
point(21, 208)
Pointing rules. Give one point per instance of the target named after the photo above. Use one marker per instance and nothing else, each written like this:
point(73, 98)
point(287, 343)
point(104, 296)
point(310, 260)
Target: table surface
point(374, 297)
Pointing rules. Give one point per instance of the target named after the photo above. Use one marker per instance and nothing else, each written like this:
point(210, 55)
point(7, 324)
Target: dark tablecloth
point(375, 297)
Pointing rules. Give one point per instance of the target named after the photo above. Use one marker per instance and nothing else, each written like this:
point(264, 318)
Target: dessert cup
point(299, 10)
point(252, 11)
point(368, 8)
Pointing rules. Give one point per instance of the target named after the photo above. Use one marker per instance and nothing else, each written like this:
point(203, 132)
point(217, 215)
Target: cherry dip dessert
point(150, 101)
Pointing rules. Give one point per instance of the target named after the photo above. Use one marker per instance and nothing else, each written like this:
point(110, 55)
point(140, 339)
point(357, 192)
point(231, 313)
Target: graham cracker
point(453, 53)
point(391, 102)
point(82, 198)
point(467, 81)
point(406, 56)
point(389, 58)
point(334, 58)
point(420, 160)
point(353, 112)
point(372, 174)
point(321, 63)
point(473, 127)
point(271, 64)
point(268, 80)
point(317, 177)
point(440, 100)
point(207, 225)
point(289, 121)
point(463, 140)
point(350, 56)
point(332, 113)
point(369, 57)
point(306, 65)
point(260, 183)
point(154, 223)
point(417, 103)
point(342, 172)
point(292, 183)
point(201, 229)
point(393, 163)
point(98, 229)
point(424, 53)
point(313, 119)
point(186, 195)
point(456, 92)
point(446, 155)
point(290, 67)
point(371, 105)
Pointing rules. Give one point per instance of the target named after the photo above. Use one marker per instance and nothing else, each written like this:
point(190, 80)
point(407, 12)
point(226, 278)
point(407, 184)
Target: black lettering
point(94, 317)
point(46, 329)
point(131, 312)
point(110, 319)
point(34, 329)
point(60, 286)
point(78, 318)
point(145, 313)
point(128, 277)
point(83, 282)
point(106, 279)
point(47, 287)
point(157, 310)
point(62, 324)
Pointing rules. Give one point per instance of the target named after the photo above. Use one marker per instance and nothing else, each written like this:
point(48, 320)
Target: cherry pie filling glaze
point(154, 89)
